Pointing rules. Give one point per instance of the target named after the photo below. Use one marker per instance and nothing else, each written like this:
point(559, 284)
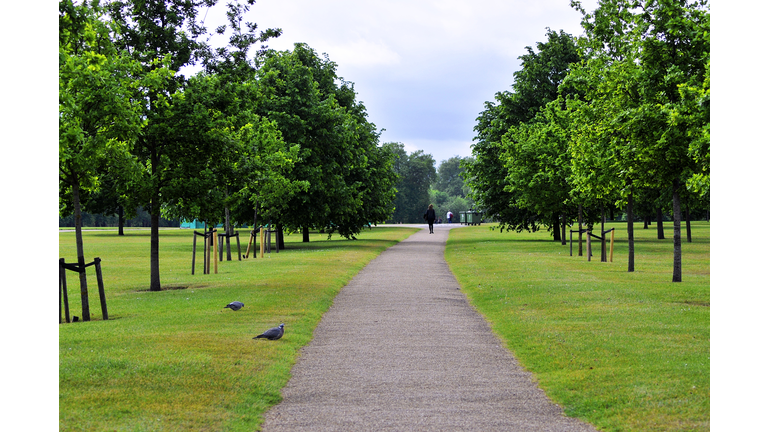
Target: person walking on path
point(430, 217)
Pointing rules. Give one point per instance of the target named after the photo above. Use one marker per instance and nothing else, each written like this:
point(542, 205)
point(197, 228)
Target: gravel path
point(401, 349)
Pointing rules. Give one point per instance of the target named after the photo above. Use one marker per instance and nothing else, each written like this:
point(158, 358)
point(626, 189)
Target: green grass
point(623, 351)
point(177, 360)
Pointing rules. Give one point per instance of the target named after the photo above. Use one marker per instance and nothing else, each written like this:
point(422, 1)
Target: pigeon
point(274, 333)
point(235, 305)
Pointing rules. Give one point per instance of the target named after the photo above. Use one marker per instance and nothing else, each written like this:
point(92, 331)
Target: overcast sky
point(424, 68)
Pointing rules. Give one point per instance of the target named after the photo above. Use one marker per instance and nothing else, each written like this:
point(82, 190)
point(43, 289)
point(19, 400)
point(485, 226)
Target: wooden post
point(589, 246)
point(237, 237)
point(102, 295)
point(571, 242)
point(261, 242)
point(580, 228)
point(207, 253)
point(220, 244)
point(613, 230)
point(63, 283)
point(251, 238)
point(215, 261)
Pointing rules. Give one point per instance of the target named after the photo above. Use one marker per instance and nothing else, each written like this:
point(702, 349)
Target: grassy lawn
point(176, 359)
point(623, 351)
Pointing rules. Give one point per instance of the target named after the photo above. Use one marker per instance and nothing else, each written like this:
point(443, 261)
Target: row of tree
point(616, 117)
point(255, 137)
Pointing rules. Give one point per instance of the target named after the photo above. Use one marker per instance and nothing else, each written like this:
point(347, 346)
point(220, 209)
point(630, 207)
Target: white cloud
point(423, 68)
point(363, 54)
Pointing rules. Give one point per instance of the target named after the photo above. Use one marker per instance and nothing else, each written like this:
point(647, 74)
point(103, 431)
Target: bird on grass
point(274, 333)
point(235, 305)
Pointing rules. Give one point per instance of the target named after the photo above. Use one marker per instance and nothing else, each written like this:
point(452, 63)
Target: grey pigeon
point(235, 305)
point(274, 333)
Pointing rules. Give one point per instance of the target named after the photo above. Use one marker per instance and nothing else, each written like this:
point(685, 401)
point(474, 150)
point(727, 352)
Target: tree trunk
point(677, 271)
point(563, 242)
point(580, 251)
point(154, 245)
point(603, 257)
point(659, 224)
point(305, 234)
point(556, 226)
point(688, 223)
point(279, 235)
point(80, 252)
point(646, 221)
point(228, 231)
point(120, 220)
point(154, 218)
point(630, 234)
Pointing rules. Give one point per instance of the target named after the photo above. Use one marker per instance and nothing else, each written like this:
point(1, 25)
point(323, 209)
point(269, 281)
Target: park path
point(401, 349)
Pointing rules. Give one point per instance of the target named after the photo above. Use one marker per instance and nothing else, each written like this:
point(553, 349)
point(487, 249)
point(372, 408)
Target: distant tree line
point(142, 219)
point(614, 121)
point(419, 184)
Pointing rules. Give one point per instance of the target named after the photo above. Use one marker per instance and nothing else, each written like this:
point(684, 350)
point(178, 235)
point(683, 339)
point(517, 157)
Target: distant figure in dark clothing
point(430, 217)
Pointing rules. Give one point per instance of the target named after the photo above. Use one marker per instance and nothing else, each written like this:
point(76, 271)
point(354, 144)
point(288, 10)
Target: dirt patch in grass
point(174, 287)
point(697, 303)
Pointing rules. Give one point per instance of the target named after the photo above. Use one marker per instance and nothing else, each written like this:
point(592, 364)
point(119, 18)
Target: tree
point(536, 85)
point(150, 30)
point(537, 159)
point(415, 172)
point(600, 146)
point(99, 116)
point(350, 183)
point(449, 178)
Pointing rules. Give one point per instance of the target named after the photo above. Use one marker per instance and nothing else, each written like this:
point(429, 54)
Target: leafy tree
point(150, 30)
point(599, 146)
point(538, 164)
point(536, 85)
point(99, 118)
point(449, 178)
point(415, 174)
point(350, 183)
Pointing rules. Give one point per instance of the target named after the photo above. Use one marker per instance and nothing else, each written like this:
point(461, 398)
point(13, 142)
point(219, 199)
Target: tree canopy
point(350, 179)
point(594, 122)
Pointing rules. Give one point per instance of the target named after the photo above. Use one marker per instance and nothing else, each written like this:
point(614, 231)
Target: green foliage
point(537, 161)
point(99, 115)
point(449, 178)
point(620, 351)
point(350, 180)
point(416, 172)
point(641, 60)
point(536, 85)
point(226, 154)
